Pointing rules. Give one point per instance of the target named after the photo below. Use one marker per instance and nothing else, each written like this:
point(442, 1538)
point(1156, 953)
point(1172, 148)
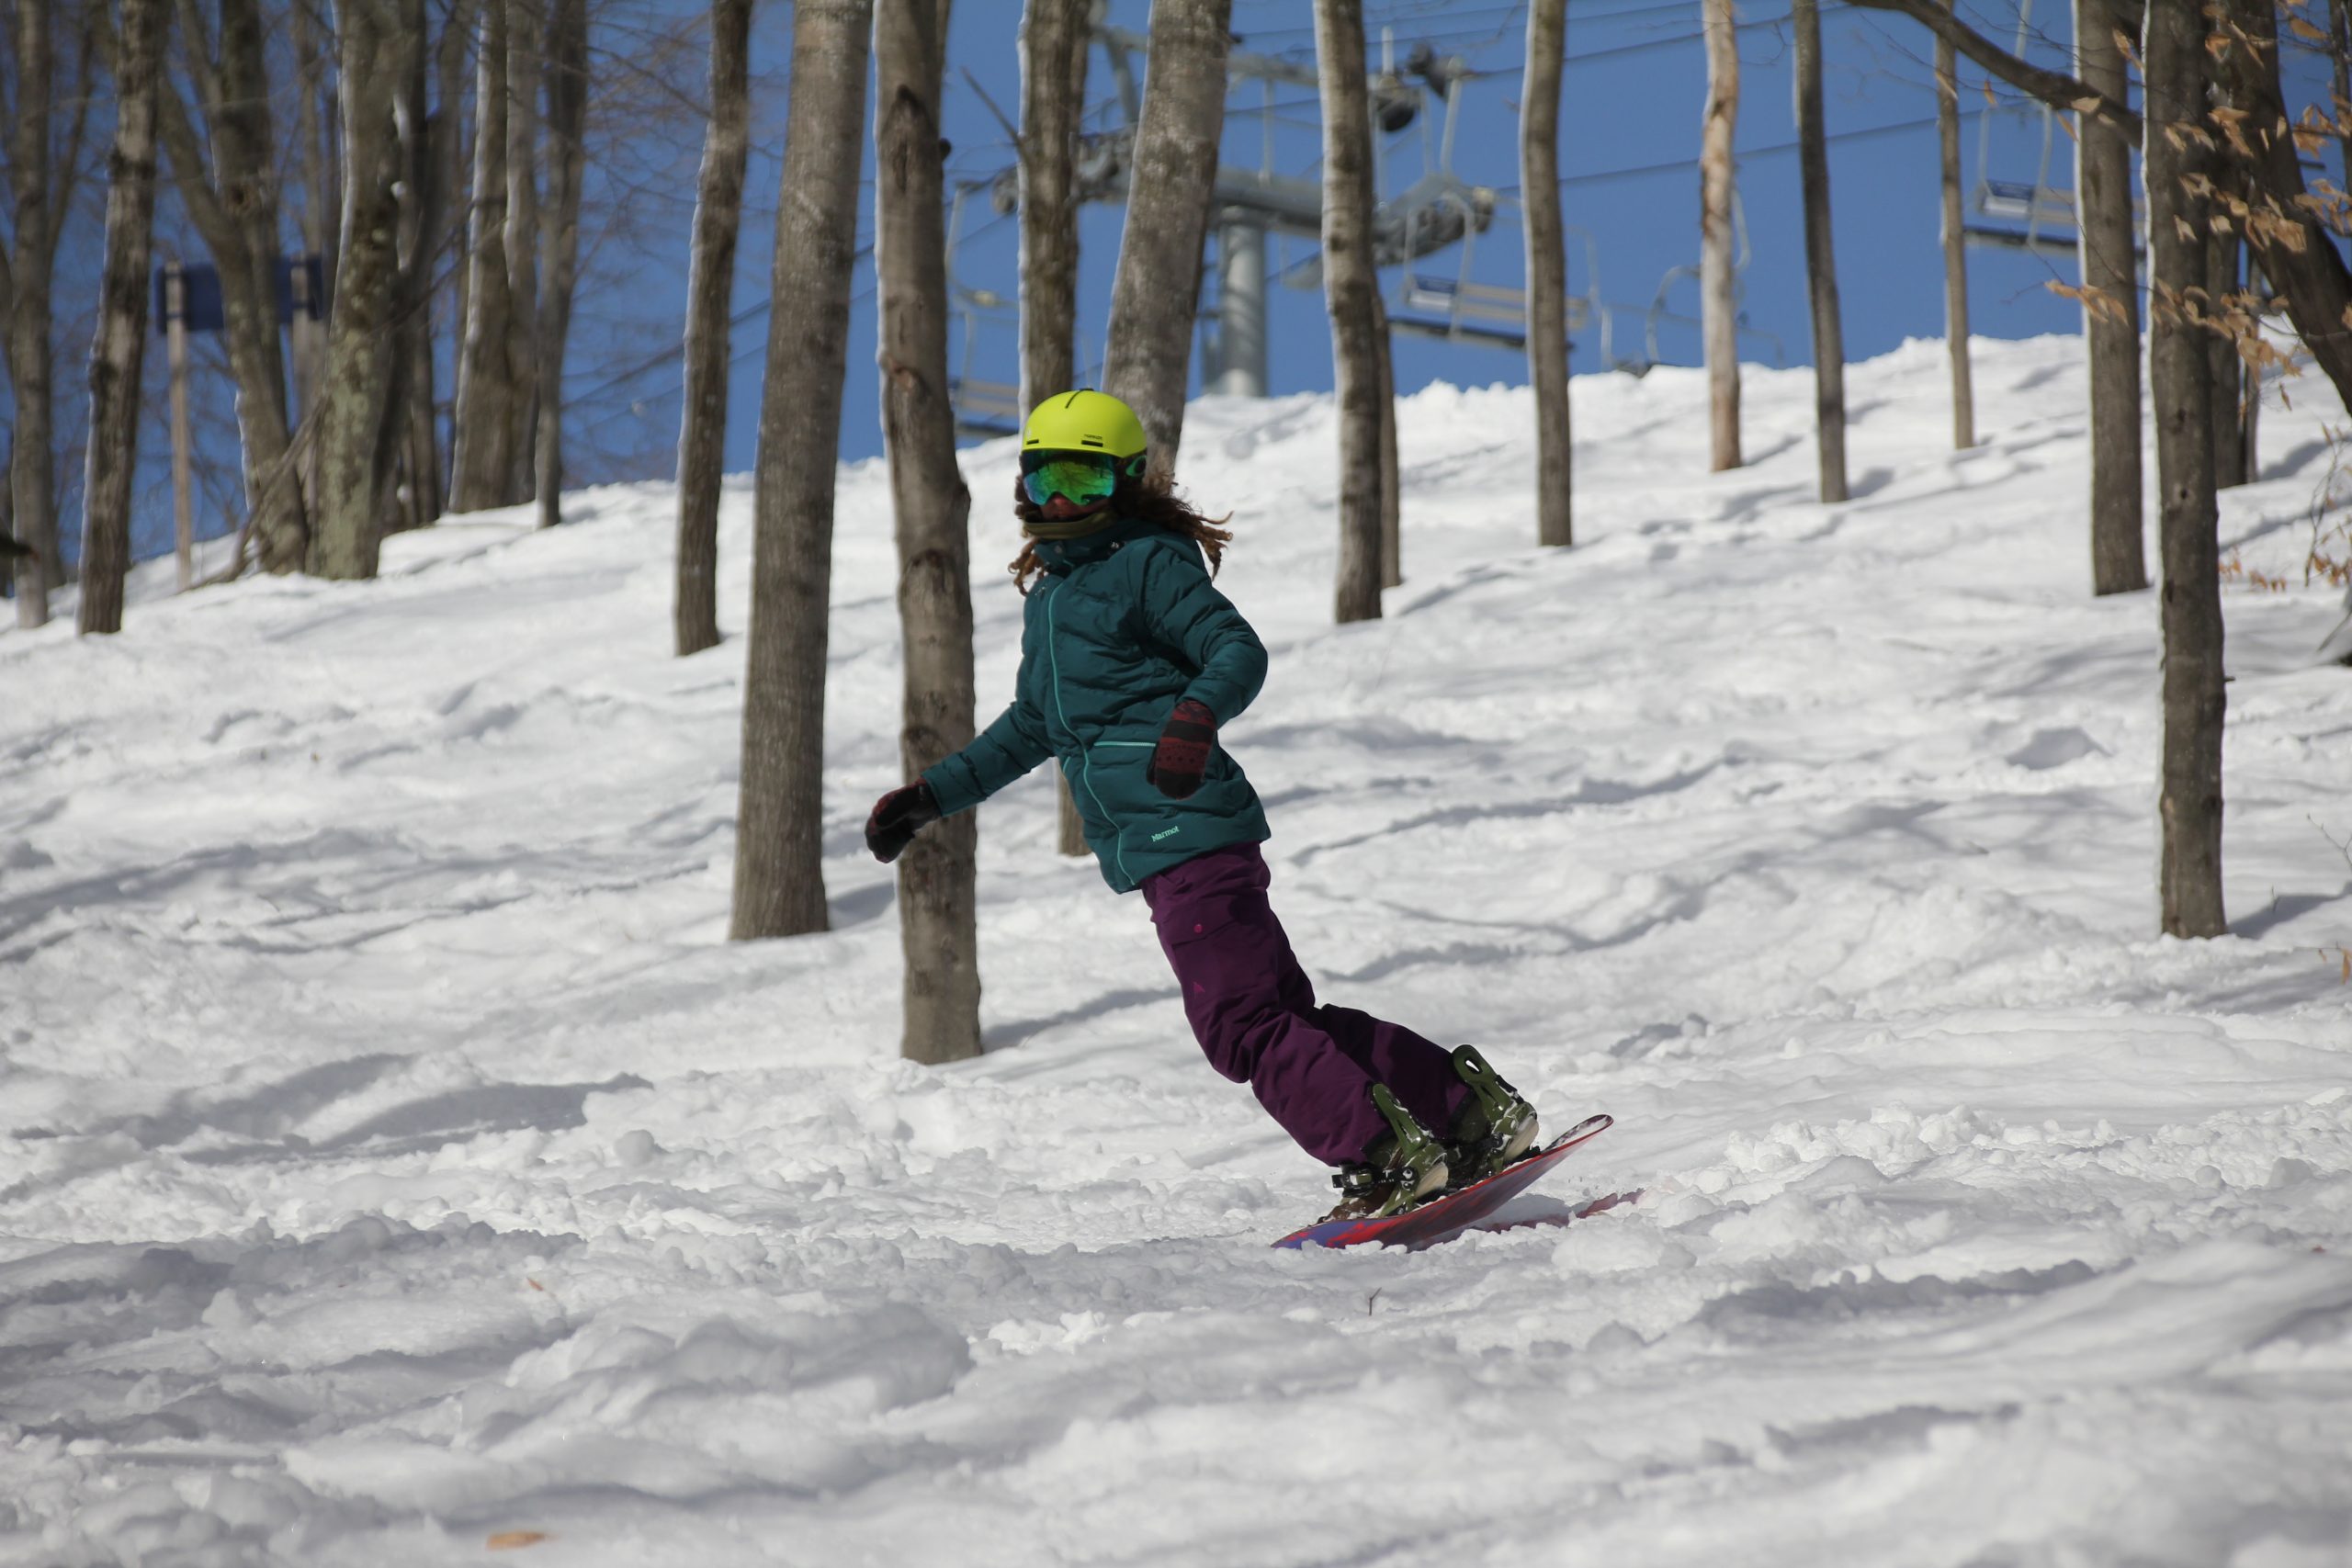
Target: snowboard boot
point(1404, 1165)
point(1494, 1127)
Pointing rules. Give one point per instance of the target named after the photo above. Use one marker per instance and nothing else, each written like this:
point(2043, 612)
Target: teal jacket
point(1123, 625)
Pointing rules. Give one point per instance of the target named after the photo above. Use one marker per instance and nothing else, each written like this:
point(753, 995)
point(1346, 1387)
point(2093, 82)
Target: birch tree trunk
point(1157, 291)
point(1053, 37)
point(1820, 256)
point(1547, 266)
point(779, 823)
point(360, 416)
point(1349, 285)
point(489, 392)
point(37, 195)
point(937, 906)
point(118, 351)
point(710, 285)
point(2108, 240)
point(567, 80)
point(1955, 240)
point(1718, 307)
point(2180, 373)
point(236, 213)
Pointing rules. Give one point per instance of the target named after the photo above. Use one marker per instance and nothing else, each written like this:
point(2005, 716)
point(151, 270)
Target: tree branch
point(2052, 87)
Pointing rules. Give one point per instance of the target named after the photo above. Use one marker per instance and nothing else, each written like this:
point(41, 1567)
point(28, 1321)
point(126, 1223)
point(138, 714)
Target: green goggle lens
point(1082, 477)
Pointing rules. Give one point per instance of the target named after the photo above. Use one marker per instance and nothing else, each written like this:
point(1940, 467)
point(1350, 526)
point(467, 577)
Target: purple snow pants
point(1254, 1012)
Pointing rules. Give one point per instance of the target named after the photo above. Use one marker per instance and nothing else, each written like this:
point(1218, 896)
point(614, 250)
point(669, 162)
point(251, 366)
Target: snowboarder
point(1130, 660)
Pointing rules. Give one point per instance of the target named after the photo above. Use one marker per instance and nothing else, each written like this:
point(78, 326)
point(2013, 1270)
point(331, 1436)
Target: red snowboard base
point(1442, 1219)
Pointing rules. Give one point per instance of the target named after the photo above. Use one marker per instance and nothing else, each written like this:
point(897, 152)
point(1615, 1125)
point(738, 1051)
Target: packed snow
point(397, 1165)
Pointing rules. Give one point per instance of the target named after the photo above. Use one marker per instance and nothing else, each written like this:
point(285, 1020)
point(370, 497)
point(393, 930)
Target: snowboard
point(1448, 1215)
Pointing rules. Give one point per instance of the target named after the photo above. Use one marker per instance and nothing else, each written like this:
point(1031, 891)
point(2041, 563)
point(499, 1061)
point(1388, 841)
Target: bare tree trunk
point(2108, 240)
point(1054, 37)
point(489, 391)
point(1820, 256)
point(361, 414)
point(2223, 258)
point(567, 79)
point(1955, 239)
point(1149, 357)
point(526, 49)
point(236, 211)
point(38, 197)
point(1349, 286)
point(779, 828)
point(420, 200)
point(1392, 501)
point(1547, 266)
point(452, 163)
point(937, 904)
point(1718, 307)
point(117, 352)
point(710, 284)
point(2180, 372)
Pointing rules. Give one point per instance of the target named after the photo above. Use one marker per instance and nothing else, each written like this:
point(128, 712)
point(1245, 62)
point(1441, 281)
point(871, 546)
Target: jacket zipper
point(1085, 757)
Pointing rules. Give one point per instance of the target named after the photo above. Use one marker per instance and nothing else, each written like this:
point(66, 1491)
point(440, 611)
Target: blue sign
point(200, 291)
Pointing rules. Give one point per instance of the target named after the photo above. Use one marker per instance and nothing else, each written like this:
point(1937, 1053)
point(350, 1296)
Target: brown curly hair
point(1152, 500)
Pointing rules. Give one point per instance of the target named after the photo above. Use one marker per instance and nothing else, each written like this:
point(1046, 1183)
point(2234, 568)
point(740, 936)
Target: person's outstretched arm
point(998, 755)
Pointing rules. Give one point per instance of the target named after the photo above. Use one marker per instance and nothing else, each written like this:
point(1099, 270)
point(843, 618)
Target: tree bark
point(490, 386)
point(1955, 239)
point(2225, 258)
point(236, 213)
point(1820, 256)
point(567, 86)
point(2180, 374)
point(1718, 307)
point(526, 53)
point(2108, 241)
point(710, 285)
point(1348, 286)
point(36, 193)
point(1547, 266)
point(360, 415)
point(937, 902)
point(1054, 38)
point(118, 351)
point(779, 847)
point(1054, 35)
point(1157, 291)
point(1392, 500)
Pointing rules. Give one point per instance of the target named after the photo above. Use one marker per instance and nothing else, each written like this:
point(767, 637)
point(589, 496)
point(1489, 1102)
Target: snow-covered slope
point(393, 1154)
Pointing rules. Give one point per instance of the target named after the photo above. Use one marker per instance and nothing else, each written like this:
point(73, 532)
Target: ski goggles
point(1080, 477)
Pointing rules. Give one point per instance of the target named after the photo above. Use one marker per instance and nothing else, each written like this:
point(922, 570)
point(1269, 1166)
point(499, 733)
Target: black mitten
point(1183, 754)
point(897, 818)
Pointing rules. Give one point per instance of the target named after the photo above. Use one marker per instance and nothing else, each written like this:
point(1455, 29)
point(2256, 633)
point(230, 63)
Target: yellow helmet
point(1086, 421)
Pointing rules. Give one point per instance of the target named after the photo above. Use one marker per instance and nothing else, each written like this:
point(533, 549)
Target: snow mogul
point(1130, 660)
